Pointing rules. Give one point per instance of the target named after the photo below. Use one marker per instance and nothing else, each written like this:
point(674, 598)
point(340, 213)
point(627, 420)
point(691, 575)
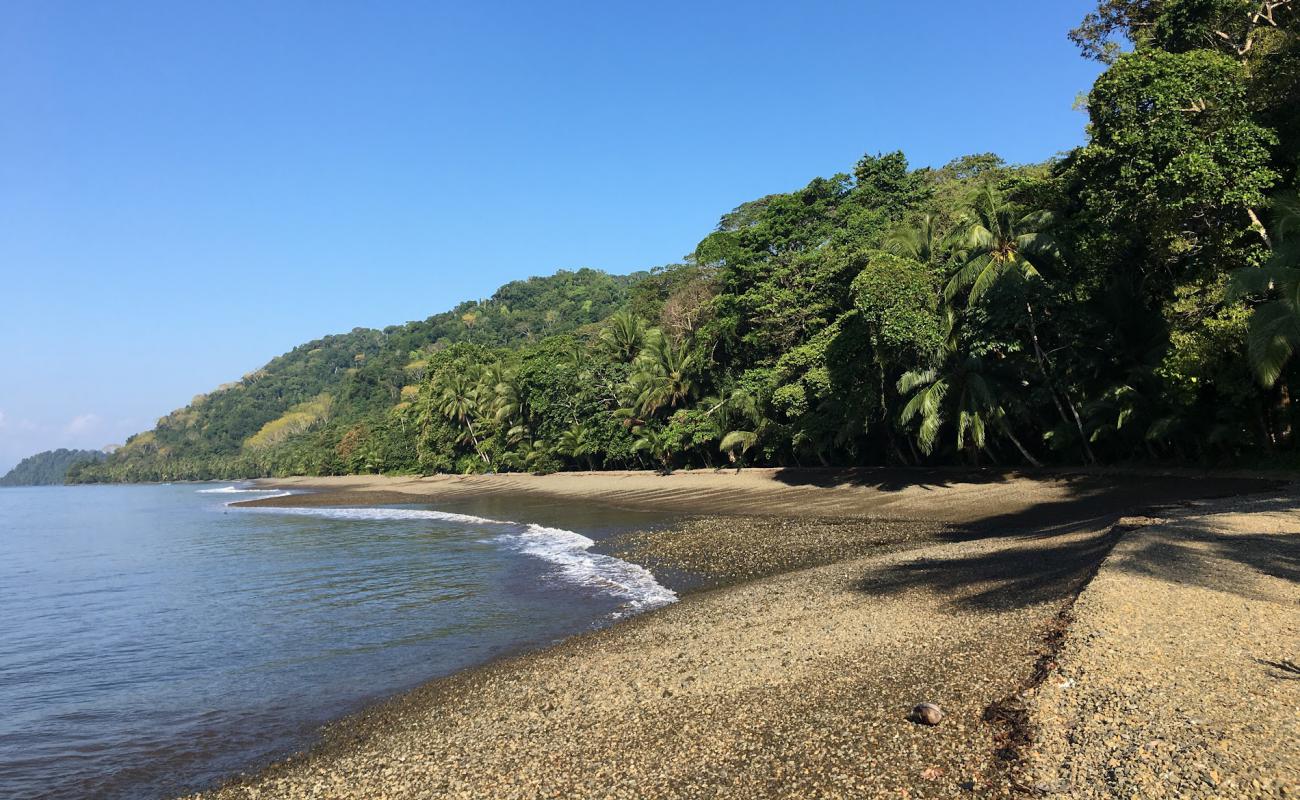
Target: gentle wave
point(378, 514)
point(571, 552)
point(238, 490)
point(568, 550)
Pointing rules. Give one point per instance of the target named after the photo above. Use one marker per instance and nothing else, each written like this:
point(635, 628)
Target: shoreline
point(942, 587)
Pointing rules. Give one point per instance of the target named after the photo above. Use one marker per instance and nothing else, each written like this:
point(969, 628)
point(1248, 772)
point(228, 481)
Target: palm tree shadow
point(1281, 669)
point(1053, 549)
point(1007, 578)
point(1194, 550)
point(888, 479)
point(1098, 501)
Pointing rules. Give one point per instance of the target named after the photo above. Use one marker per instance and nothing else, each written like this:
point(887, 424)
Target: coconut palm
point(924, 242)
point(623, 336)
point(576, 357)
point(508, 405)
point(457, 398)
point(1003, 246)
point(657, 443)
point(962, 390)
point(661, 376)
point(740, 418)
point(528, 455)
point(577, 442)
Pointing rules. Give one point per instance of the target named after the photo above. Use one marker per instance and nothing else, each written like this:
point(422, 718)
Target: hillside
point(1134, 299)
point(48, 468)
point(234, 430)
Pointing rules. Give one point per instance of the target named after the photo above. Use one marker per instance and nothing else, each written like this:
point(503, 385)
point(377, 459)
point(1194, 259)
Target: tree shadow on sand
point(1113, 489)
point(888, 479)
point(1053, 549)
point(1049, 569)
point(1194, 550)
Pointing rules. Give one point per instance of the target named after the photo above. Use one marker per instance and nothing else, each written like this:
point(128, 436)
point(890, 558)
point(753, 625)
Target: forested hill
point(1137, 298)
point(48, 468)
point(322, 387)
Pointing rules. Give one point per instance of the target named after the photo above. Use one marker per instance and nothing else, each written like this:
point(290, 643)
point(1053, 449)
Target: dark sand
point(846, 598)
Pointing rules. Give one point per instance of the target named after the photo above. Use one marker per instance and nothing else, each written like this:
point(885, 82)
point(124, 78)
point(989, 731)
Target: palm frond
point(1272, 338)
point(914, 378)
point(989, 275)
point(738, 439)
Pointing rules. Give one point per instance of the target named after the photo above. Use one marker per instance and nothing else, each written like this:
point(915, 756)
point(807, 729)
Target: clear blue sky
point(188, 189)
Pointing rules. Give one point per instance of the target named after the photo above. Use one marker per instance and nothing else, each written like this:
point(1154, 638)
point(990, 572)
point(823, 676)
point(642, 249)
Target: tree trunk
point(899, 454)
point(1284, 404)
point(469, 425)
point(1261, 414)
point(1040, 359)
point(1259, 228)
point(1032, 461)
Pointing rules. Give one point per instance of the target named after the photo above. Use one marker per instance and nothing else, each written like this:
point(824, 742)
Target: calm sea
point(154, 640)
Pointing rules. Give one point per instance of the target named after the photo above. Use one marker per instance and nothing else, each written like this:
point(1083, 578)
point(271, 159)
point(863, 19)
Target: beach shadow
point(1055, 548)
point(1008, 578)
point(1099, 501)
point(1282, 669)
point(1192, 550)
point(890, 479)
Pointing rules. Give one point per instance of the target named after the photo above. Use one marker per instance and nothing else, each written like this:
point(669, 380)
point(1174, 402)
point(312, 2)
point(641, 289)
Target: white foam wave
point(377, 514)
point(238, 490)
point(569, 551)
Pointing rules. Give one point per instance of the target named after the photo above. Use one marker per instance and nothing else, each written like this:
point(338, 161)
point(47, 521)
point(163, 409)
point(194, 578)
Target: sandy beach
point(824, 605)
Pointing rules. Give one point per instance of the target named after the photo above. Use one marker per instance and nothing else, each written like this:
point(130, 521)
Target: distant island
point(49, 468)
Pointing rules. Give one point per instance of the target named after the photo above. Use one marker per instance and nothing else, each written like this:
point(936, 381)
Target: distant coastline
point(49, 468)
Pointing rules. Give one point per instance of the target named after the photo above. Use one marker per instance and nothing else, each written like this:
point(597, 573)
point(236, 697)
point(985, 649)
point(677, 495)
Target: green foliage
point(1274, 328)
point(1175, 159)
point(899, 300)
point(1078, 309)
point(50, 467)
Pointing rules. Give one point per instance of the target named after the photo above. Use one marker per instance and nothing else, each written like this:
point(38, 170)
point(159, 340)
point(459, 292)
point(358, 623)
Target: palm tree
point(528, 455)
point(623, 336)
point(1000, 244)
point(738, 440)
point(500, 388)
point(576, 357)
point(458, 400)
point(576, 442)
point(662, 374)
point(961, 388)
point(740, 418)
point(924, 242)
point(1004, 246)
point(657, 443)
point(1274, 333)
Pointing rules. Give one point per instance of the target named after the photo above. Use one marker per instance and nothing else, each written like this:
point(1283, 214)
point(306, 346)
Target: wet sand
point(982, 500)
point(841, 600)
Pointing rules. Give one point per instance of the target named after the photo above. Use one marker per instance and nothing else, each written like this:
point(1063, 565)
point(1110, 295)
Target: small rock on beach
point(927, 714)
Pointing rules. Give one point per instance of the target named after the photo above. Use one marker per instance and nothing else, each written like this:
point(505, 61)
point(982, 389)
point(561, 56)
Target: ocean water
point(154, 640)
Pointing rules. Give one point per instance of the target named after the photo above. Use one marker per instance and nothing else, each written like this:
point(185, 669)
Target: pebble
point(927, 714)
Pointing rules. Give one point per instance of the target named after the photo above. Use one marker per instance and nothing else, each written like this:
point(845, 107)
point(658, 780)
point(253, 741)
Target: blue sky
point(190, 189)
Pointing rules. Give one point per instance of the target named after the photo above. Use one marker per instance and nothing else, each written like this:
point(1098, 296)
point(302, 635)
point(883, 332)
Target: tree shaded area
point(1134, 299)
